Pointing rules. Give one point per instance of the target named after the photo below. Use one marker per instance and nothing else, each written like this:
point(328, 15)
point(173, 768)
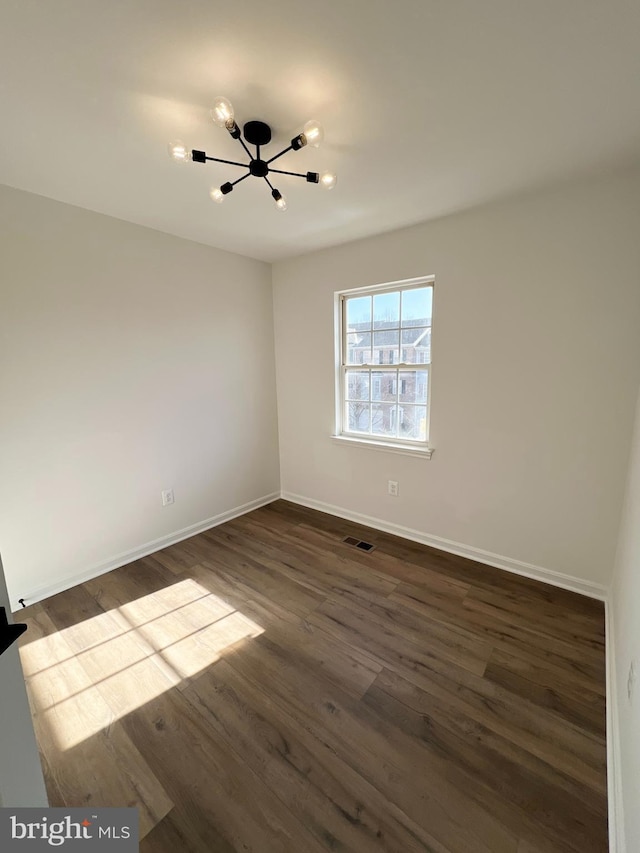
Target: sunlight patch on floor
point(83, 678)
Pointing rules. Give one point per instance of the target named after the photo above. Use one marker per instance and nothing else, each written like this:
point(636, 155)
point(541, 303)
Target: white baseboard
point(35, 595)
point(614, 780)
point(593, 590)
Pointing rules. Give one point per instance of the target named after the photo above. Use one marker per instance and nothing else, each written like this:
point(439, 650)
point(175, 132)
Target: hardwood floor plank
point(575, 647)
point(530, 646)
point(264, 687)
point(120, 660)
point(549, 806)
point(176, 558)
point(303, 565)
point(349, 669)
point(240, 807)
point(81, 777)
point(230, 588)
point(396, 765)
point(556, 618)
point(68, 608)
point(565, 746)
point(171, 835)
point(307, 777)
point(65, 703)
point(88, 757)
point(404, 554)
point(388, 564)
point(447, 641)
point(137, 580)
point(541, 686)
point(527, 846)
point(265, 579)
point(418, 556)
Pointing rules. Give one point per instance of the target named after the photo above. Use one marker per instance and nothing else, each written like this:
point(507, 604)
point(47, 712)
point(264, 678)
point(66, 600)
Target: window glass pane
point(358, 348)
point(414, 422)
point(358, 415)
point(413, 386)
point(386, 347)
point(424, 344)
point(376, 386)
point(417, 306)
point(417, 345)
point(359, 312)
point(386, 310)
point(384, 385)
point(381, 419)
point(358, 385)
point(413, 341)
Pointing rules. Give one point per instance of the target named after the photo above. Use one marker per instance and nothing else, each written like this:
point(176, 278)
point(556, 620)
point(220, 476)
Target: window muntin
point(385, 362)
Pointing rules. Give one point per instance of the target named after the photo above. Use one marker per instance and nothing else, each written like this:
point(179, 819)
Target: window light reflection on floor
point(83, 678)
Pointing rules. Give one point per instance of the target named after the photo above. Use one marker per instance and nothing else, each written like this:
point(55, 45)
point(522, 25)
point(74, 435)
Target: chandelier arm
point(284, 151)
point(233, 183)
point(282, 172)
point(269, 182)
point(229, 162)
point(242, 142)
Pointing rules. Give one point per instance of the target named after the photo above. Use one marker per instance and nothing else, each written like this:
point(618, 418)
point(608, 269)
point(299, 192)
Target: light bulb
point(313, 133)
point(328, 180)
point(216, 194)
point(179, 152)
point(280, 200)
point(222, 112)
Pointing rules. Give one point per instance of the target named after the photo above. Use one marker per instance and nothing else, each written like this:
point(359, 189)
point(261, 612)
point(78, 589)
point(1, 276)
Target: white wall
point(536, 362)
point(131, 362)
point(625, 618)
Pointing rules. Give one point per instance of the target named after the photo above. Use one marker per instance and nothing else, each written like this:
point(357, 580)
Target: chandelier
point(256, 134)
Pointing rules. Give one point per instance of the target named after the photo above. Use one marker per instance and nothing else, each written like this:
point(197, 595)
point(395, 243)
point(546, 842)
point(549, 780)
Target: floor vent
point(358, 543)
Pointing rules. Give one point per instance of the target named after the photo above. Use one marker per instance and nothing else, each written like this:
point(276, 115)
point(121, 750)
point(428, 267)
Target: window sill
point(372, 444)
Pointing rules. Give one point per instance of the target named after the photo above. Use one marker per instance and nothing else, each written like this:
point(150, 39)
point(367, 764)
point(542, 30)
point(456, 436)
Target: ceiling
point(429, 106)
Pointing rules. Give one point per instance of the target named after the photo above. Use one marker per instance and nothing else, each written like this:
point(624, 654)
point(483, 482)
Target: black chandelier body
point(256, 134)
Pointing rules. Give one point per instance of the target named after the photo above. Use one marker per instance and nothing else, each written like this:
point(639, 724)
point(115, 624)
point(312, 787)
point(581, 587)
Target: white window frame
point(419, 447)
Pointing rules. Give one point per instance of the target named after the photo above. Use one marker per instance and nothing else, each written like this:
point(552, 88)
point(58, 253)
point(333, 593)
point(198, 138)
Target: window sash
point(369, 401)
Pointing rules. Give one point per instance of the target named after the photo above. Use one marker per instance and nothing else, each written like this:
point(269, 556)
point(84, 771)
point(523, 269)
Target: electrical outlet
point(167, 497)
point(393, 488)
point(631, 680)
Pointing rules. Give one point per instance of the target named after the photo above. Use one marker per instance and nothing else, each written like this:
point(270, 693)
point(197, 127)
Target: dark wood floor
point(265, 687)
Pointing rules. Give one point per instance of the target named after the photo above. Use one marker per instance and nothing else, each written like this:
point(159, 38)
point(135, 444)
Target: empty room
point(320, 432)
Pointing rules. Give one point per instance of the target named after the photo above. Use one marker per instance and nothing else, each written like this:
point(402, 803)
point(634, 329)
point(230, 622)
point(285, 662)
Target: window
point(383, 398)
